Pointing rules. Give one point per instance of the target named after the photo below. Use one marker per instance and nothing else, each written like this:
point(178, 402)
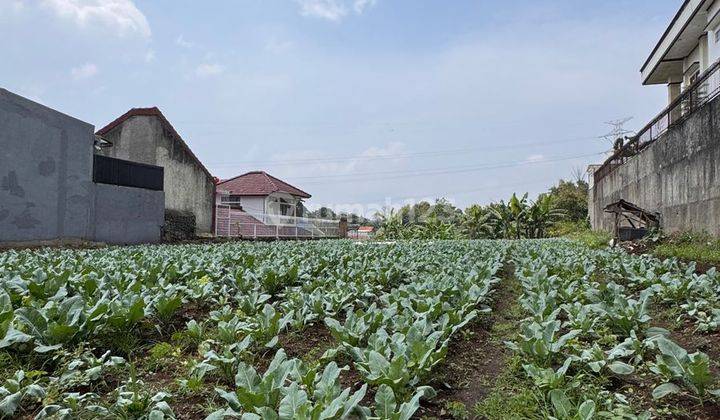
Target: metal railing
point(324, 227)
point(703, 90)
point(260, 231)
point(239, 224)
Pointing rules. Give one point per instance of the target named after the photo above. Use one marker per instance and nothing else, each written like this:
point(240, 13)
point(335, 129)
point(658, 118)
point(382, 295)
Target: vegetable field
point(330, 330)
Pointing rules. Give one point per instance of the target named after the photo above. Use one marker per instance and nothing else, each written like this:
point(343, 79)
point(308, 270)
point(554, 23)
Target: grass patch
point(591, 238)
point(513, 396)
point(690, 247)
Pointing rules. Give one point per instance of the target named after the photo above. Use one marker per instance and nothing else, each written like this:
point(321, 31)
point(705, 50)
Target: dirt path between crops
point(476, 357)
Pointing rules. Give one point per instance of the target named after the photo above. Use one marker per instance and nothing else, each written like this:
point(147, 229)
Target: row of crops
point(75, 326)
point(591, 344)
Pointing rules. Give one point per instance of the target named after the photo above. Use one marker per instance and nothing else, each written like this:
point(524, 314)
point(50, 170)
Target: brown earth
point(476, 357)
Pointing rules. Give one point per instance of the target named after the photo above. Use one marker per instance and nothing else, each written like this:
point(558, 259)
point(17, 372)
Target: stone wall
point(678, 176)
point(179, 226)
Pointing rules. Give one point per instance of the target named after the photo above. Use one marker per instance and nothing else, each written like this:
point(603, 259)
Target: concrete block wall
point(46, 188)
point(125, 215)
point(678, 176)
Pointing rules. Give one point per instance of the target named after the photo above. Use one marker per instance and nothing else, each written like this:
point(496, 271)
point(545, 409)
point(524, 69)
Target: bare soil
point(475, 358)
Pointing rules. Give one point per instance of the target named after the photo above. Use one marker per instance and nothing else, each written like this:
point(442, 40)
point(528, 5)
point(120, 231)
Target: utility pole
point(618, 129)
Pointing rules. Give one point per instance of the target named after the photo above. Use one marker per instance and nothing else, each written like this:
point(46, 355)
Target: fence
point(107, 170)
point(232, 223)
point(702, 91)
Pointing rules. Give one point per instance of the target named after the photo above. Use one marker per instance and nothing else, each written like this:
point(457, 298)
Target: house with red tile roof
point(259, 205)
point(260, 193)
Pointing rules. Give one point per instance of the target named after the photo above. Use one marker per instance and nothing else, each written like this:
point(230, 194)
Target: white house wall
point(691, 59)
point(253, 204)
point(712, 29)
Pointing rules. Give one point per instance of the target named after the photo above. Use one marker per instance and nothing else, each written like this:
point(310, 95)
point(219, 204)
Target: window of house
point(694, 76)
point(691, 74)
point(285, 208)
point(232, 199)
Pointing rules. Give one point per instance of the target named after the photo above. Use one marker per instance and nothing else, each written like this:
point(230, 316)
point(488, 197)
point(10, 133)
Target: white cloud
point(85, 71)
point(535, 158)
point(360, 5)
point(313, 165)
point(181, 41)
point(120, 15)
point(208, 70)
point(333, 10)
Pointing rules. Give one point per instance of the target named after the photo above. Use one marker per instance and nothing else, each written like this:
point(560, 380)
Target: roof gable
point(154, 112)
point(259, 183)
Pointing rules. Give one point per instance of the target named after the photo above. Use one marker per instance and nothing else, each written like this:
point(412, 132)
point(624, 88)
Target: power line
point(453, 168)
point(361, 177)
point(399, 155)
point(618, 129)
point(463, 192)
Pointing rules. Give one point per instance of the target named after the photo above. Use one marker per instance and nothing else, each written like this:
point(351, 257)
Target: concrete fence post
point(343, 227)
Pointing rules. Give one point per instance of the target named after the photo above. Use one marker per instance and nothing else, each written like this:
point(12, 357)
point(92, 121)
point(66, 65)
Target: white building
point(259, 193)
point(258, 205)
point(688, 49)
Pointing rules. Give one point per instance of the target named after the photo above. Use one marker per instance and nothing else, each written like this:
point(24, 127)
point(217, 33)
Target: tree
point(444, 211)
point(390, 224)
point(417, 213)
point(572, 199)
point(541, 216)
point(478, 222)
point(323, 213)
point(355, 219)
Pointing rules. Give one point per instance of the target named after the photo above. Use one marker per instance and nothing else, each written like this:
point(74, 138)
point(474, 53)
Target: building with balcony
point(672, 166)
point(259, 205)
point(687, 49)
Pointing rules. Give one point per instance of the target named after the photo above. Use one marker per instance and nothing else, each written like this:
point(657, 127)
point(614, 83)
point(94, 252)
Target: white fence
point(230, 223)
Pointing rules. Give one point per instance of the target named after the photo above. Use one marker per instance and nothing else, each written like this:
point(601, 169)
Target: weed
point(457, 410)
point(162, 355)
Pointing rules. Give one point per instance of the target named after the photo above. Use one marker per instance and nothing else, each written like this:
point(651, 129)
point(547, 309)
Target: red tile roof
point(153, 112)
point(259, 183)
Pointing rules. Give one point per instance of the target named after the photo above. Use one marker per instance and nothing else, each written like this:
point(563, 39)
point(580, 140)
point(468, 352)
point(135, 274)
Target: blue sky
point(356, 101)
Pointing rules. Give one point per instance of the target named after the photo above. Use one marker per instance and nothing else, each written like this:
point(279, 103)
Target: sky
point(361, 103)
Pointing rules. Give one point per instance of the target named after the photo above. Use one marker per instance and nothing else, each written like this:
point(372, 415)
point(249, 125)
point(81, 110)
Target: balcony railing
point(703, 90)
point(231, 223)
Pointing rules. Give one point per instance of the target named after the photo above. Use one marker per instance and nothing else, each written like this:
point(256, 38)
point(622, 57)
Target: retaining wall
point(678, 175)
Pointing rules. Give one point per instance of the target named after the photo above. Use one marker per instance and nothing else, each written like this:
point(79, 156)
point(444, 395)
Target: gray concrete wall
point(678, 176)
point(46, 189)
point(187, 186)
point(126, 215)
